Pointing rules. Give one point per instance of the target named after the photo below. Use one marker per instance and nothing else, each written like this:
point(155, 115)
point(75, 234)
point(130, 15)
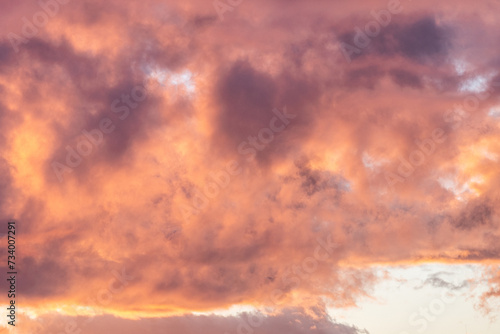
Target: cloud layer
point(204, 194)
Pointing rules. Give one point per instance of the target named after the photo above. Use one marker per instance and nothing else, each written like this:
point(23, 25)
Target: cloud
point(406, 78)
point(289, 320)
point(435, 281)
point(424, 39)
point(152, 197)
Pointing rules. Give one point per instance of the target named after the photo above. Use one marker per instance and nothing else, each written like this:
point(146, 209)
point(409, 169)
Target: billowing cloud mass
point(166, 159)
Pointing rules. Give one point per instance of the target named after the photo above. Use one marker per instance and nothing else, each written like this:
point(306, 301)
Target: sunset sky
point(251, 167)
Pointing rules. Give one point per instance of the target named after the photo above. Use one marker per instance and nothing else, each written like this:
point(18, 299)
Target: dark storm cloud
point(423, 40)
point(92, 100)
point(203, 21)
point(246, 98)
point(418, 38)
point(475, 215)
point(366, 77)
point(5, 187)
point(40, 279)
point(314, 181)
point(405, 78)
point(7, 56)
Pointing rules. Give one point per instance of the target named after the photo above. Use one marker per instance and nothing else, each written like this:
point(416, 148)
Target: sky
point(251, 167)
